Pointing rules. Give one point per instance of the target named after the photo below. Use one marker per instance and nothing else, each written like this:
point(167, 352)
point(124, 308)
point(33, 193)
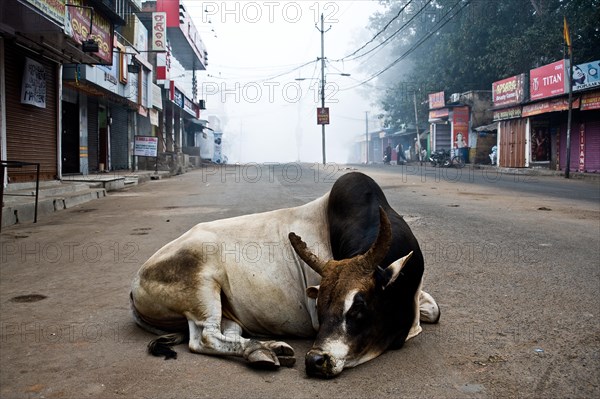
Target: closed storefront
point(119, 138)
point(31, 112)
point(442, 137)
point(93, 138)
point(585, 143)
point(512, 141)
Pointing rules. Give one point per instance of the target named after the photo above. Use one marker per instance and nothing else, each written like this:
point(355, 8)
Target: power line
point(377, 34)
point(268, 78)
point(384, 42)
point(413, 47)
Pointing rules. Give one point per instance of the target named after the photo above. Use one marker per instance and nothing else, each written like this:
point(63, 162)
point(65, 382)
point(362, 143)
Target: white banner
point(33, 90)
point(145, 146)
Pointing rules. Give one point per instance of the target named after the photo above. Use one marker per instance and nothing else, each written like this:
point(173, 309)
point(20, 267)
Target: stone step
point(55, 190)
point(24, 210)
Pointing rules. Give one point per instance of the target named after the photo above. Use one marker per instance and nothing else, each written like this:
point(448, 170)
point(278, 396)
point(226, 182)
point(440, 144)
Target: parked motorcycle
point(443, 158)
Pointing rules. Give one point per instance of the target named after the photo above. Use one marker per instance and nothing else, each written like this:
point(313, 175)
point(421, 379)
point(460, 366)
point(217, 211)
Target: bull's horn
point(304, 253)
point(380, 247)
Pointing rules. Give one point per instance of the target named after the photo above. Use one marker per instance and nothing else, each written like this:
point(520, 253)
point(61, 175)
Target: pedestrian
point(387, 156)
point(494, 155)
point(400, 152)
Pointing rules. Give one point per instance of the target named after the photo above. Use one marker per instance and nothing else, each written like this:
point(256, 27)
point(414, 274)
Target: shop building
point(37, 37)
point(532, 114)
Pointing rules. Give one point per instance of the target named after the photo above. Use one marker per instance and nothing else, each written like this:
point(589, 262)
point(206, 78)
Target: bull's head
point(351, 304)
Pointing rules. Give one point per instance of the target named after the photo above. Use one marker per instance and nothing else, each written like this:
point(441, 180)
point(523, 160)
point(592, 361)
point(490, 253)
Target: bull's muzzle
point(323, 365)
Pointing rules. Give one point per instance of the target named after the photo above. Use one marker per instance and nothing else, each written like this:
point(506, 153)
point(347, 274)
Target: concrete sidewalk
point(507, 171)
point(19, 202)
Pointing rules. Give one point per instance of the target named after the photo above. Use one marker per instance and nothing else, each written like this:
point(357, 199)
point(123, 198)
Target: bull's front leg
point(207, 338)
point(215, 335)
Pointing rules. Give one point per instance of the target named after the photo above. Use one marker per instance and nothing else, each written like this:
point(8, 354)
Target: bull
point(358, 290)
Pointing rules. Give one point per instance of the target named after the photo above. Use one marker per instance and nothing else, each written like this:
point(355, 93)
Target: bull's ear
point(312, 291)
point(387, 276)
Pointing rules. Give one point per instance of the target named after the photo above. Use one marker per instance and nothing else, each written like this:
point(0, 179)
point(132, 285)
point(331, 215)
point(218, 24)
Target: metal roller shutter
point(31, 132)
point(119, 138)
point(93, 139)
point(442, 137)
point(592, 145)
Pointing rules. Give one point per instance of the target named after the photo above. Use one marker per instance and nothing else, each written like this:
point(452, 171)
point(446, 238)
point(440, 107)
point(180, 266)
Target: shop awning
point(487, 128)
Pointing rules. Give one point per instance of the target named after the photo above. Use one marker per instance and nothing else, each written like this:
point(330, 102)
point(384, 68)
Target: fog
point(257, 50)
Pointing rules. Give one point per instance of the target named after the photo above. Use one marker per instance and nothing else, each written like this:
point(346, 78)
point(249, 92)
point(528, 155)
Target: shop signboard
point(53, 9)
point(557, 104)
point(548, 80)
point(460, 127)
point(438, 114)
point(590, 101)
point(509, 91)
point(586, 75)
point(436, 100)
point(507, 113)
point(102, 30)
point(145, 146)
point(159, 31)
point(188, 106)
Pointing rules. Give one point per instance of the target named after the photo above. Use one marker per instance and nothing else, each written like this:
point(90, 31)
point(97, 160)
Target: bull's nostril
point(317, 364)
point(319, 360)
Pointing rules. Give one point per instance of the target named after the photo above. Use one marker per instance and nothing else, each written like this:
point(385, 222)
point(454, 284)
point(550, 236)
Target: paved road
point(525, 181)
point(514, 267)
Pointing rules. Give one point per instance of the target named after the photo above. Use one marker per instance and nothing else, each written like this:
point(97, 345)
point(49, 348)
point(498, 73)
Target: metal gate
point(512, 143)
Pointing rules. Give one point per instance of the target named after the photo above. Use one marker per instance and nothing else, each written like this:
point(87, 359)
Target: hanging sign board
point(323, 116)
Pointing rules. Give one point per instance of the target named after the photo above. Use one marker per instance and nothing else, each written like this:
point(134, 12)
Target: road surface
point(512, 263)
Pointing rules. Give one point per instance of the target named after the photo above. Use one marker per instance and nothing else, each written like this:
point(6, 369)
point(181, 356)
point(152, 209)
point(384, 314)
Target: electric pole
point(322, 30)
point(367, 137)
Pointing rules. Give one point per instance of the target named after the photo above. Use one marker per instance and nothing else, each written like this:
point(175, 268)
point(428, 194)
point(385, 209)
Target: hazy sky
point(251, 83)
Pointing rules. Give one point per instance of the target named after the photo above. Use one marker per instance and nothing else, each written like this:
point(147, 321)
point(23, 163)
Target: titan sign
point(509, 91)
point(548, 81)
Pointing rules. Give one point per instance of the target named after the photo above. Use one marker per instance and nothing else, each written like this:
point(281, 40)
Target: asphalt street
point(511, 259)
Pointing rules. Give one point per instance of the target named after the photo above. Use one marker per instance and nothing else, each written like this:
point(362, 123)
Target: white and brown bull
point(360, 294)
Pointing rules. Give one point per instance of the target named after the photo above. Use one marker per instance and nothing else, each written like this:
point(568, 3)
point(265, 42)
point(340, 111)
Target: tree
point(461, 45)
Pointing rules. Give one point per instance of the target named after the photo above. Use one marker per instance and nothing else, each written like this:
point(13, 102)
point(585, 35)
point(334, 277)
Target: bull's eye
point(358, 311)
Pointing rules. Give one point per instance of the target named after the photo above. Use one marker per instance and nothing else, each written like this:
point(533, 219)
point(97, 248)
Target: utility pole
point(418, 143)
point(367, 137)
point(322, 30)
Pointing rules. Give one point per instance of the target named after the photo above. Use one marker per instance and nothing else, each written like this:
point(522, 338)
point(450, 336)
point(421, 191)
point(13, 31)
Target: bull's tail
point(162, 345)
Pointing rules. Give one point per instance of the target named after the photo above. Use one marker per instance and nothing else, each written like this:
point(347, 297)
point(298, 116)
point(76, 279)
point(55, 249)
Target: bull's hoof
point(287, 361)
point(284, 352)
point(270, 354)
point(264, 359)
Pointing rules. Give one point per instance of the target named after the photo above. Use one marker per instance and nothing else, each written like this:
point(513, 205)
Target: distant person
point(387, 156)
point(494, 155)
point(400, 152)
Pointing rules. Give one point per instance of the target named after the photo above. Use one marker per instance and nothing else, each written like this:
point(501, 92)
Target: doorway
point(70, 138)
